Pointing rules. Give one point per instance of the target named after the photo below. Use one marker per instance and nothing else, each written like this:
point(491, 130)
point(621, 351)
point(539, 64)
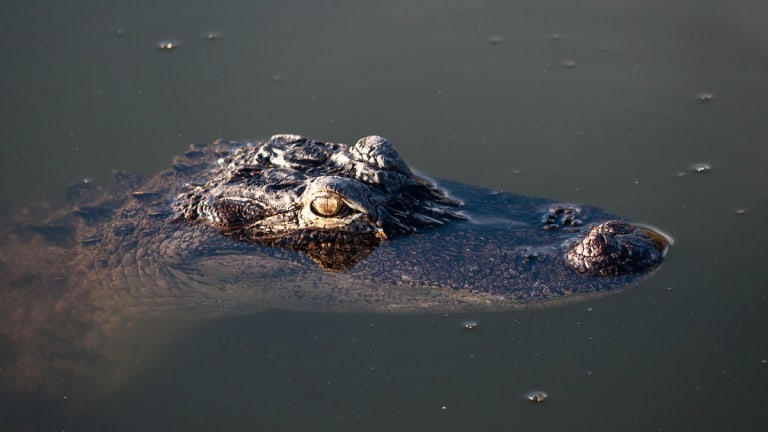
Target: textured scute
point(268, 192)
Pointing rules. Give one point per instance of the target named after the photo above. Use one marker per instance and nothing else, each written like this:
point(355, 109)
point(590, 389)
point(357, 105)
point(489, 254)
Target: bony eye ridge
point(328, 205)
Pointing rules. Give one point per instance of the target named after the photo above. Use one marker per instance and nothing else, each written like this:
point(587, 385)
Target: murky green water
point(600, 102)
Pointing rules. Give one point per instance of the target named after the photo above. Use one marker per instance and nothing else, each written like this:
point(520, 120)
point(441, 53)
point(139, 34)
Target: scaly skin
point(295, 224)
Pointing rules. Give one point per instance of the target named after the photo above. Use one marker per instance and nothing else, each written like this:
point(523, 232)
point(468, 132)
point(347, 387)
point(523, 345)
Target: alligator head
point(295, 223)
point(336, 203)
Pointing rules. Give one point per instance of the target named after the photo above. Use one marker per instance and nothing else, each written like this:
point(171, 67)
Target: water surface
point(601, 102)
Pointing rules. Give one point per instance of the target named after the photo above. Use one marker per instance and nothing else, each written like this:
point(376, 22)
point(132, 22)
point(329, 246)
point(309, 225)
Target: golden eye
point(327, 205)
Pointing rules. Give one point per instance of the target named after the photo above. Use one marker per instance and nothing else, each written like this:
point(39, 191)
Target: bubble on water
point(167, 45)
point(569, 64)
point(741, 211)
point(555, 36)
point(537, 396)
point(213, 35)
point(700, 167)
point(495, 40)
point(469, 324)
point(119, 31)
point(705, 97)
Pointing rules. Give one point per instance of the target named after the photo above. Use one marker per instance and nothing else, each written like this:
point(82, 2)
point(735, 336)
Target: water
point(596, 102)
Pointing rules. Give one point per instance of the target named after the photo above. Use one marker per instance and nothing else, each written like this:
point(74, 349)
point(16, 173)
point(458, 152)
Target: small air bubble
point(741, 211)
point(555, 36)
point(469, 325)
point(705, 97)
point(119, 32)
point(537, 396)
point(700, 167)
point(569, 64)
point(213, 35)
point(495, 40)
point(167, 45)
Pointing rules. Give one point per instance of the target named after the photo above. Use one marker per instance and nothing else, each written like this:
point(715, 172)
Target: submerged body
point(299, 224)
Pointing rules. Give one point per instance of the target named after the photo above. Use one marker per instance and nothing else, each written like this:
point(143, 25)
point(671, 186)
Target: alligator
point(300, 224)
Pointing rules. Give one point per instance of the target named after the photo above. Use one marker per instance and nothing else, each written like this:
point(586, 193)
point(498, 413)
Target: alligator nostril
point(616, 248)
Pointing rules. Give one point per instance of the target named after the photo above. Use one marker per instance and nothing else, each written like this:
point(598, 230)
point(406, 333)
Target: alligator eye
point(327, 205)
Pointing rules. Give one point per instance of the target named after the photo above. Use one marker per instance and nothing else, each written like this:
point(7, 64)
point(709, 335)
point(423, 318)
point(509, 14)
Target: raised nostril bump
point(615, 248)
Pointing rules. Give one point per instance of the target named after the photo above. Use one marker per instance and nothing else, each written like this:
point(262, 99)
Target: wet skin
point(299, 224)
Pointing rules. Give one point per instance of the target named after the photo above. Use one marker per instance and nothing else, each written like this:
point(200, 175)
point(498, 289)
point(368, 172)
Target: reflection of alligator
point(306, 225)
